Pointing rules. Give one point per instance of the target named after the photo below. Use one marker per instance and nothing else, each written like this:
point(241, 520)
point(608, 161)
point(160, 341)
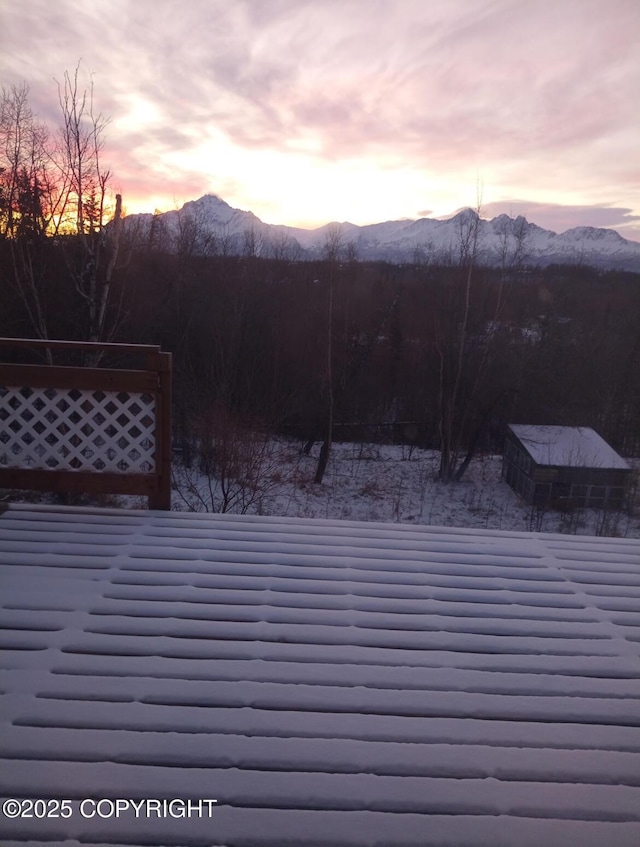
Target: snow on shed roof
point(568, 446)
point(333, 683)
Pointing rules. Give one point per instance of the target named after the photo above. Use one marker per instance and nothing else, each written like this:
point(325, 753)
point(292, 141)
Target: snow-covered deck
point(327, 682)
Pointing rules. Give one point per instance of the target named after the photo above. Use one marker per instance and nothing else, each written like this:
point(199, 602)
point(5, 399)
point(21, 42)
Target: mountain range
point(210, 225)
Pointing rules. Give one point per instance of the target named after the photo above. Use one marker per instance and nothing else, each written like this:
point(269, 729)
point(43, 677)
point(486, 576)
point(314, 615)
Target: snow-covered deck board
point(328, 683)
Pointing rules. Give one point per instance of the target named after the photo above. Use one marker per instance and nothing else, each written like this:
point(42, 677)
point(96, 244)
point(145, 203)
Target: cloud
point(534, 99)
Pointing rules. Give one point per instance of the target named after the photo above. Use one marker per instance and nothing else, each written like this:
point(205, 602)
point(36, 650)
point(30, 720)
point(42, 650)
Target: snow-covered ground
point(374, 482)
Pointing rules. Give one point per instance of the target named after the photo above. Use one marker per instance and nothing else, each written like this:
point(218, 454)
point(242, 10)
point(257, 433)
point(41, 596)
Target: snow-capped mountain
point(210, 225)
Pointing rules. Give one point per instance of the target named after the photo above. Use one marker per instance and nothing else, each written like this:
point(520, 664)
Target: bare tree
point(283, 247)
point(513, 243)
point(222, 244)
point(423, 254)
point(332, 251)
point(451, 350)
point(22, 164)
point(467, 349)
point(236, 467)
point(27, 200)
point(59, 187)
point(351, 252)
point(252, 242)
point(84, 212)
point(84, 179)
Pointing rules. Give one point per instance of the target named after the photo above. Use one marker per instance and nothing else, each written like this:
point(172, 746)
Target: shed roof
point(328, 683)
point(568, 446)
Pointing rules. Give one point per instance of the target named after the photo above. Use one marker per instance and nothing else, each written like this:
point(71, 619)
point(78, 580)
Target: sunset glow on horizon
point(310, 111)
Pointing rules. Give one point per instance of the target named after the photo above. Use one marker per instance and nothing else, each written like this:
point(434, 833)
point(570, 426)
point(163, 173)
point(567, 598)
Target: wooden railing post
point(161, 499)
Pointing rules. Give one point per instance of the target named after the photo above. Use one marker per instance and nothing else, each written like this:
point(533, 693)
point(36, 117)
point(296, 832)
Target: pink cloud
point(537, 99)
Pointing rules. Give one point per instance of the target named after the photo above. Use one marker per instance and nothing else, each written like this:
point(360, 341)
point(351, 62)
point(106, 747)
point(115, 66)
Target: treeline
point(440, 356)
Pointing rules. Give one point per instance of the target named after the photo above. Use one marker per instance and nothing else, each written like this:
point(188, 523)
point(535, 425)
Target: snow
point(567, 446)
point(328, 682)
point(377, 482)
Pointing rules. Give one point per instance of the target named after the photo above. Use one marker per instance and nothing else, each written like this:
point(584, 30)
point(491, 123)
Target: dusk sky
point(309, 111)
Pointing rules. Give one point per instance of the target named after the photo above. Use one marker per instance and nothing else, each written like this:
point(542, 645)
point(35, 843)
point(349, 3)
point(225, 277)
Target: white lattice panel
point(72, 429)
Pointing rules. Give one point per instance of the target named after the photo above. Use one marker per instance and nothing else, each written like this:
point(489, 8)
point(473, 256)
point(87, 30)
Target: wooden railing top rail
point(40, 344)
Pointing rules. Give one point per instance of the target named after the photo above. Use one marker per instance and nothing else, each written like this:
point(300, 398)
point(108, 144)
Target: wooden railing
point(84, 429)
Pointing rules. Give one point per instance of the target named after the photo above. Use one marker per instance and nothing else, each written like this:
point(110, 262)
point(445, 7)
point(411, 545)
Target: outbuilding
point(564, 465)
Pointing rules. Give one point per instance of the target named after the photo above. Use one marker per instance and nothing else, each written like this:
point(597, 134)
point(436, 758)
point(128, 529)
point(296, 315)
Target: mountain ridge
point(215, 226)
